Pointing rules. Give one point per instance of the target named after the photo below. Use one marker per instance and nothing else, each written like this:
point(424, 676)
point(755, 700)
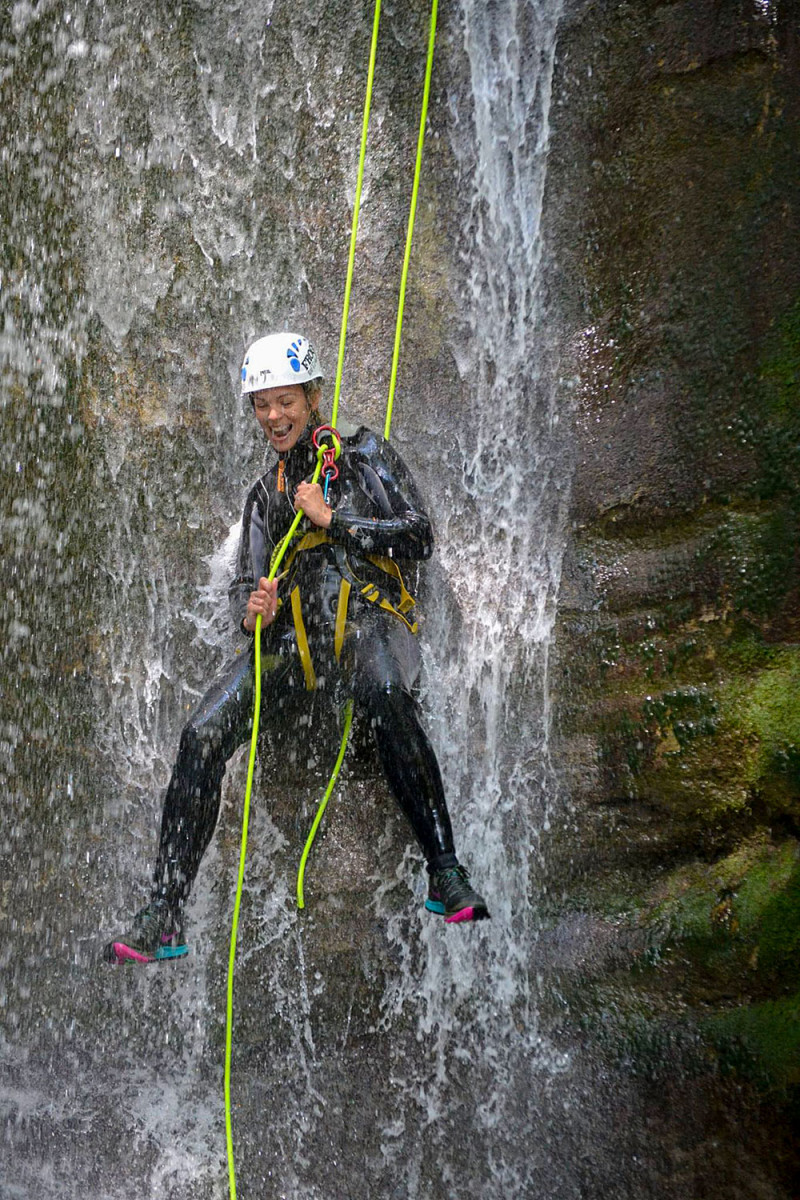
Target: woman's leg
point(218, 726)
point(220, 723)
point(383, 657)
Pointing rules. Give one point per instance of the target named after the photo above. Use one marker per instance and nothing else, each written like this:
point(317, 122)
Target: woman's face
point(282, 412)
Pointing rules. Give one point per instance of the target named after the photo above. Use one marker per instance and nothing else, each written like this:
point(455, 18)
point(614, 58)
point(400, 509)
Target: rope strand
point(356, 211)
point(243, 849)
point(411, 217)
point(278, 556)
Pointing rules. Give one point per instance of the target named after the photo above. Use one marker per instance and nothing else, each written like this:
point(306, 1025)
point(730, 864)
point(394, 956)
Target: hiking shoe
point(453, 897)
point(155, 934)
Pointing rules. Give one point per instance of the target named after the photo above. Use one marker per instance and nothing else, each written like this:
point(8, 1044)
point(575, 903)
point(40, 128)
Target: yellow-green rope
point(398, 336)
point(287, 540)
point(335, 407)
point(273, 571)
point(348, 718)
point(243, 850)
point(412, 213)
point(236, 907)
point(356, 207)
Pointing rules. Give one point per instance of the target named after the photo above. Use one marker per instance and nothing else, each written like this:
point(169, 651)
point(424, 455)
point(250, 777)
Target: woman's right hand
point(264, 602)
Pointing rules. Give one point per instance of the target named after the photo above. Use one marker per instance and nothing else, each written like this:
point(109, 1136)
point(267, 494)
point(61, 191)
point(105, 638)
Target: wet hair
point(312, 389)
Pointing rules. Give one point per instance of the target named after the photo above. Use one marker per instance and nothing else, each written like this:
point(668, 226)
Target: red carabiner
point(327, 429)
point(329, 453)
point(329, 468)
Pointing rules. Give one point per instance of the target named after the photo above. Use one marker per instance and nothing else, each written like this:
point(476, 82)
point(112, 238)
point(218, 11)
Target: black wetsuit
point(377, 514)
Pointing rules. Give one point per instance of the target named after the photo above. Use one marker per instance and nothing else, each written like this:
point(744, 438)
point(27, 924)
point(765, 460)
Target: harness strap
point(319, 537)
point(309, 541)
point(302, 641)
point(370, 591)
point(407, 601)
point(341, 618)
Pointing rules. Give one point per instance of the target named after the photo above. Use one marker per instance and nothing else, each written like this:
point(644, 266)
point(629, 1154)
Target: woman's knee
point(200, 742)
point(390, 708)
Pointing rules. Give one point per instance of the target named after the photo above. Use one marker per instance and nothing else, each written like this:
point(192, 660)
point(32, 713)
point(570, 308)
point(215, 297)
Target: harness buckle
point(329, 454)
point(317, 434)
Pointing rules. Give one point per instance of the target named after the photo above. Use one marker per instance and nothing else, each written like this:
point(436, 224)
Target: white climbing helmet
point(279, 359)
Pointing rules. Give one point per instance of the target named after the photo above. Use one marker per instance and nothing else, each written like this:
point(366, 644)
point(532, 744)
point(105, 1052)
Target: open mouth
point(279, 432)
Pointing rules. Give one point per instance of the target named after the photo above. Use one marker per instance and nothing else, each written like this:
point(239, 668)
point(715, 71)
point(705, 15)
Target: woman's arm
point(244, 578)
point(397, 522)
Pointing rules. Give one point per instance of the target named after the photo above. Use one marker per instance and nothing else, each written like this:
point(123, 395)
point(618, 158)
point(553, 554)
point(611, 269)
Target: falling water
point(181, 177)
point(500, 537)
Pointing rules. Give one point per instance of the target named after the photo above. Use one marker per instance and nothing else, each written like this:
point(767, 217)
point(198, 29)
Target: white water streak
point(492, 729)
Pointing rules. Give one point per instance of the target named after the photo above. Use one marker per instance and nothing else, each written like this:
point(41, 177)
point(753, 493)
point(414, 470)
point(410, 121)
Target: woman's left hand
point(309, 497)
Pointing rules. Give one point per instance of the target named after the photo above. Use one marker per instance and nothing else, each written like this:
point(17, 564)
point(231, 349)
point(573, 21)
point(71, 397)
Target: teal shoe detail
point(172, 951)
point(155, 935)
point(452, 896)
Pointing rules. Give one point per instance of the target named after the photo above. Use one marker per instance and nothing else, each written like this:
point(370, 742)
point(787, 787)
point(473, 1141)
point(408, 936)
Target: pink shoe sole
point(466, 914)
point(124, 953)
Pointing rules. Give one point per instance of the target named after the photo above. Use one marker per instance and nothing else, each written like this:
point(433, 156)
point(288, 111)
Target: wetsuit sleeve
point(244, 579)
point(400, 525)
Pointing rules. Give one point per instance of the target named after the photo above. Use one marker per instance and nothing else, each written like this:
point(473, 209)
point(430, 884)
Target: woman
point(335, 619)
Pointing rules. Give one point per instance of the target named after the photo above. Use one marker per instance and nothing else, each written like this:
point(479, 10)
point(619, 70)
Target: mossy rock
point(773, 410)
point(705, 752)
point(767, 712)
point(734, 897)
point(721, 968)
point(672, 751)
point(760, 1041)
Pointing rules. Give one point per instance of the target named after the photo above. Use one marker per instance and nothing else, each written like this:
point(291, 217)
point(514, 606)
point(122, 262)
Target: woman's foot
point(155, 934)
point(452, 896)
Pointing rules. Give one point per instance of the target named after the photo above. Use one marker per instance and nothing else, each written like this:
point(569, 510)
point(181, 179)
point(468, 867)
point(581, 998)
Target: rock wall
point(677, 640)
point(177, 178)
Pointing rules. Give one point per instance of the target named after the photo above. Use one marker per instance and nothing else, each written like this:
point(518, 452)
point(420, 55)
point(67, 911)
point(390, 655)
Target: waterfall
point(198, 144)
point(500, 541)
point(178, 179)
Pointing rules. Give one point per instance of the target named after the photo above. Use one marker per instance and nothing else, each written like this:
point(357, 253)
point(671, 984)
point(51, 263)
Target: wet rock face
point(677, 630)
point(174, 181)
point(687, 243)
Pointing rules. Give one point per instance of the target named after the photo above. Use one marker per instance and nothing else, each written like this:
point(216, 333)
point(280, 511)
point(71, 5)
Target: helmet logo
point(293, 354)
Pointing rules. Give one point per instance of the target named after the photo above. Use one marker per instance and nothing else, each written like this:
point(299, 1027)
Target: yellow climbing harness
point(369, 590)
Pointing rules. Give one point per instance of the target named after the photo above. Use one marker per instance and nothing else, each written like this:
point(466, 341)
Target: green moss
point(761, 1040)
point(722, 939)
point(733, 897)
point(689, 713)
point(674, 752)
point(774, 712)
point(744, 651)
point(774, 403)
point(780, 374)
point(764, 707)
point(755, 553)
point(685, 913)
point(704, 749)
point(779, 926)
